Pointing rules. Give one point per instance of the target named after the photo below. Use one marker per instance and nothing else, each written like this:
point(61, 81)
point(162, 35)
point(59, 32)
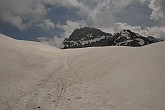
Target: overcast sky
point(49, 19)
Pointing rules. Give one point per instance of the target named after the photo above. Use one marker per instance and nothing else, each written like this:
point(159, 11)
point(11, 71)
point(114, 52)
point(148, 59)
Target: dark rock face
point(86, 37)
point(90, 37)
point(128, 38)
point(154, 40)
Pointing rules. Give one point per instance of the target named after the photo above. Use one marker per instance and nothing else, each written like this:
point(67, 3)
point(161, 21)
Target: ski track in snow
point(56, 81)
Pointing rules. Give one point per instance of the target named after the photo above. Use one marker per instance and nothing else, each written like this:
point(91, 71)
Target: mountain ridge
point(93, 37)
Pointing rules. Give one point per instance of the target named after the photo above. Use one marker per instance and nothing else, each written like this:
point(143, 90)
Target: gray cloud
point(28, 12)
point(64, 3)
point(21, 13)
point(102, 13)
point(25, 13)
point(97, 13)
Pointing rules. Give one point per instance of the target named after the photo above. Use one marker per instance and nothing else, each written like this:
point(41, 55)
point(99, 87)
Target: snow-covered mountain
point(86, 37)
point(36, 76)
point(129, 38)
point(90, 37)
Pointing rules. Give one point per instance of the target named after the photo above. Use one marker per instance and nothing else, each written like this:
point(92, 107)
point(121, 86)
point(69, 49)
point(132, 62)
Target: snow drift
point(38, 76)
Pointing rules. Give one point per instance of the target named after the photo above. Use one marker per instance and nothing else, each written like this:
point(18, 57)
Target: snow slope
point(38, 76)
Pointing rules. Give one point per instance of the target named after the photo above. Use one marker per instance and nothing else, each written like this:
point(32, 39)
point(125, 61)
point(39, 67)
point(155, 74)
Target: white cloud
point(15, 21)
point(120, 26)
point(47, 24)
point(55, 41)
point(44, 40)
point(67, 29)
point(70, 26)
point(156, 31)
point(148, 31)
point(158, 10)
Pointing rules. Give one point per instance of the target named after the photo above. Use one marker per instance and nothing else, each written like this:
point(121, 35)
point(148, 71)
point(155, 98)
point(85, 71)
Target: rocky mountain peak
point(90, 37)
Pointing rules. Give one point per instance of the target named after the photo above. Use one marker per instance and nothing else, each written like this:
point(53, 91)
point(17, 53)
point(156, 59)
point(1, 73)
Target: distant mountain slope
point(90, 37)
